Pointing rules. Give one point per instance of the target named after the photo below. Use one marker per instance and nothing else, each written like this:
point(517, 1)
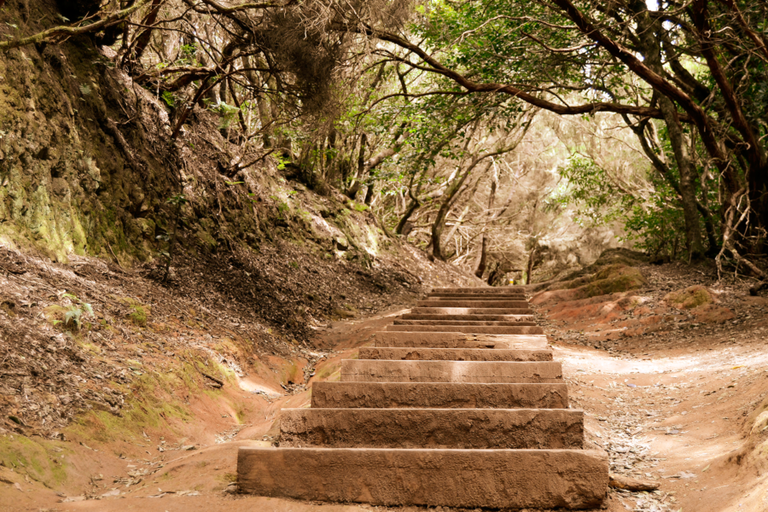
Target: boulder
point(690, 298)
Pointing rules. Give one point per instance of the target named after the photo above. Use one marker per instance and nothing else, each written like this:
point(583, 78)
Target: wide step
point(433, 428)
point(442, 395)
point(521, 321)
point(480, 329)
point(356, 370)
point(480, 303)
point(476, 297)
point(459, 340)
point(476, 318)
point(457, 403)
point(469, 311)
point(477, 291)
point(453, 354)
point(574, 479)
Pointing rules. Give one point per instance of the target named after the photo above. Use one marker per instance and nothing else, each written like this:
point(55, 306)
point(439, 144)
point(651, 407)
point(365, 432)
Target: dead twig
point(59, 34)
point(216, 382)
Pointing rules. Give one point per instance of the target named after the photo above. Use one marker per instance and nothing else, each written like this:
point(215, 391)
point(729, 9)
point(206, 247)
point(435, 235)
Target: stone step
point(456, 303)
point(443, 410)
point(480, 329)
point(572, 479)
point(433, 428)
point(470, 311)
point(453, 296)
point(475, 318)
point(515, 298)
point(459, 340)
point(522, 322)
point(443, 395)
point(477, 296)
point(453, 354)
point(372, 370)
point(477, 299)
point(479, 291)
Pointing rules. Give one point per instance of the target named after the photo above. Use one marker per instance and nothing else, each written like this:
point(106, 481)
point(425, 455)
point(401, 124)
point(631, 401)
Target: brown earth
point(680, 402)
point(107, 374)
point(673, 379)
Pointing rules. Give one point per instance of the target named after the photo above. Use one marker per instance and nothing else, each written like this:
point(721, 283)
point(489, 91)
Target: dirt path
point(676, 416)
point(673, 414)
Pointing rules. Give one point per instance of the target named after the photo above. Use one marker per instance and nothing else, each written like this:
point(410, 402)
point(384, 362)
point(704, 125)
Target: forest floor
point(680, 405)
point(678, 399)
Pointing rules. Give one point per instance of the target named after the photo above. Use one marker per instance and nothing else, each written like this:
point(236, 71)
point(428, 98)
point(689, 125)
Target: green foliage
point(169, 98)
point(657, 227)
point(489, 39)
point(177, 200)
point(188, 50)
point(588, 189)
point(282, 206)
point(228, 114)
point(654, 224)
point(70, 316)
point(138, 313)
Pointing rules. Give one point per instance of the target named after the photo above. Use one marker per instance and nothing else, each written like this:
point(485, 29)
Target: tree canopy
point(424, 110)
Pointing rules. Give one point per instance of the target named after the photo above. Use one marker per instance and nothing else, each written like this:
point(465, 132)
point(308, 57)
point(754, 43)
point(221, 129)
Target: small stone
point(631, 484)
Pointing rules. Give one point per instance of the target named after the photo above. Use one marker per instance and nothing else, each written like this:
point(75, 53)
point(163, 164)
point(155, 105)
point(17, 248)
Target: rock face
point(448, 409)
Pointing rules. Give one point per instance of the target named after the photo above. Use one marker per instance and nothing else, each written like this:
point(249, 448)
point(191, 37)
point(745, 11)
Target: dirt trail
point(673, 415)
point(675, 407)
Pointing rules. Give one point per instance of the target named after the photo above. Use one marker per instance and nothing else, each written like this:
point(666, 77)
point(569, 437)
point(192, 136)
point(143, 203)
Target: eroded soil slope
point(108, 373)
point(680, 403)
point(672, 370)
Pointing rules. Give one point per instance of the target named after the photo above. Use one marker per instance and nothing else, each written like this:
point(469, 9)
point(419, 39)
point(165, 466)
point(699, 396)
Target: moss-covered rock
point(615, 278)
point(43, 460)
point(690, 298)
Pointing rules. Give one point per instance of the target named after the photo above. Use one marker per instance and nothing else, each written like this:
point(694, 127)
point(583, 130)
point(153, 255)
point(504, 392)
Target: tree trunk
point(529, 267)
point(355, 186)
point(687, 178)
point(481, 264)
point(665, 173)
point(459, 220)
point(143, 39)
point(413, 205)
point(448, 200)
point(651, 48)
point(758, 195)
point(369, 194)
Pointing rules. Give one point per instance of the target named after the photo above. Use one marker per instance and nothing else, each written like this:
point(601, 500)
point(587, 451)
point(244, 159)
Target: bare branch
point(61, 33)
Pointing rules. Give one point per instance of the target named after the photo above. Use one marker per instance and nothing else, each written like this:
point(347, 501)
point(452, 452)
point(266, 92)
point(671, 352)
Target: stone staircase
point(458, 404)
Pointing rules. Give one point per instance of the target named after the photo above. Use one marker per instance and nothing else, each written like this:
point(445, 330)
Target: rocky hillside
point(137, 272)
point(622, 296)
point(670, 362)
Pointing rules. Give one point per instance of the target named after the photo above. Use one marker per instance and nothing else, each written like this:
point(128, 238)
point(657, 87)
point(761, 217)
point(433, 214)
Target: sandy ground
point(674, 413)
point(675, 416)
